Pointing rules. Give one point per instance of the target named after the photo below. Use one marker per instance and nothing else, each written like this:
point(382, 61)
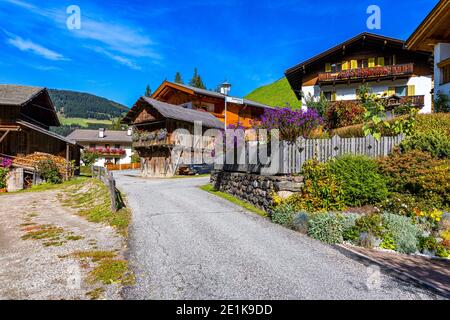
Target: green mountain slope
point(73, 104)
point(277, 94)
point(79, 110)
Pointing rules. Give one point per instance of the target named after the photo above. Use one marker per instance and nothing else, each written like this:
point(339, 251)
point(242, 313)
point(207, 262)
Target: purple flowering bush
point(5, 162)
point(291, 123)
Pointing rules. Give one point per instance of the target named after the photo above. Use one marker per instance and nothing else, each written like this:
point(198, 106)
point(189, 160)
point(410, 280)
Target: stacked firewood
point(185, 171)
point(32, 160)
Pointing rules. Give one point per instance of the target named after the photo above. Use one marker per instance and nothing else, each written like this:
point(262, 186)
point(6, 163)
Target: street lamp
point(225, 89)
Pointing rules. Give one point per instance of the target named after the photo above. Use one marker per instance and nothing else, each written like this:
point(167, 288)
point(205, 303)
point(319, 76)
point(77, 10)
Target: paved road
point(188, 244)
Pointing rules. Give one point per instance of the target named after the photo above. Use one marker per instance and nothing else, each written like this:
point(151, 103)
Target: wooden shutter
point(354, 64)
point(333, 96)
point(411, 90)
point(394, 60)
point(381, 61)
point(391, 91)
point(371, 62)
point(327, 67)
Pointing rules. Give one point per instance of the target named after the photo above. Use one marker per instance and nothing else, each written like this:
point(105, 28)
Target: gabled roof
point(203, 92)
point(47, 132)
point(20, 96)
point(362, 36)
point(434, 28)
point(174, 112)
point(14, 95)
point(82, 135)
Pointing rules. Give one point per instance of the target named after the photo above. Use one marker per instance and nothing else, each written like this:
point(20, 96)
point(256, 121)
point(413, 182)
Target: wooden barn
point(154, 123)
point(239, 111)
point(26, 115)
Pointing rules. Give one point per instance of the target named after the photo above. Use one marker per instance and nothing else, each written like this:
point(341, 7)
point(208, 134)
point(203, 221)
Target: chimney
point(130, 132)
point(101, 133)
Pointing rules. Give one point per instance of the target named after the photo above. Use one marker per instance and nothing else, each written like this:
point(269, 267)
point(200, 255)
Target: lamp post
point(225, 90)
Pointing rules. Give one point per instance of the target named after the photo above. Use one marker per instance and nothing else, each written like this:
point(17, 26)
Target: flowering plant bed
point(107, 151)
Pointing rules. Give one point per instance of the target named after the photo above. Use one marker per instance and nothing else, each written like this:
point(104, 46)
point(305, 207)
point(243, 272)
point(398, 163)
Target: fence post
point(112, 192)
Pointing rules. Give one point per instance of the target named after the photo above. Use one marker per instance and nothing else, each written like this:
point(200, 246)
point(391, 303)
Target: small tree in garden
point(291, 123)
point(344, 113)
point(375, 117)
point(89, 158)
point(319, 104)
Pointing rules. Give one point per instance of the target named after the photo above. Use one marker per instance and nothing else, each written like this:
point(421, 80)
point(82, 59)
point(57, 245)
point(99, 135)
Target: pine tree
point(178, 78)
point(148, 91)
point(197, 81)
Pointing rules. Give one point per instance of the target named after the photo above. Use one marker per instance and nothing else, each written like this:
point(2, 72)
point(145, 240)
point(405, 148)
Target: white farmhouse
point(115, 147)
point(382, 62)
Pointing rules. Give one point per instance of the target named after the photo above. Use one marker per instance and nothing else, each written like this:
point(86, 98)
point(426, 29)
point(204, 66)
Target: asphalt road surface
point(188, 244)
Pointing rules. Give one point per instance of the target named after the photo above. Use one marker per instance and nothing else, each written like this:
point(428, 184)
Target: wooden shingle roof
point(174, 112)
point(15, 95)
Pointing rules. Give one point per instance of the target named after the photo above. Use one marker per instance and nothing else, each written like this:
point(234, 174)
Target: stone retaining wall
point(256, 189)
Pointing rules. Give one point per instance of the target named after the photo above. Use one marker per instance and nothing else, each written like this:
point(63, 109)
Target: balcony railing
point(112, 152)
point(367, 73)
point(415, 101)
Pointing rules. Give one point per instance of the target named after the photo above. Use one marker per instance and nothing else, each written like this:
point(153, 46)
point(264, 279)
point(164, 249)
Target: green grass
point(209, 188)
point(76, 181)
point(277, 94)
point(93, 203)
point(82, 122)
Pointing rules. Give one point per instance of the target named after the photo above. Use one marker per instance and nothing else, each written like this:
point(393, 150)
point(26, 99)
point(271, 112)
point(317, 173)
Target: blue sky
point(123, 45)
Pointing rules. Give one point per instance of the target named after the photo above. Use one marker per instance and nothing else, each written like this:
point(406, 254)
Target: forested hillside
point(71, 104)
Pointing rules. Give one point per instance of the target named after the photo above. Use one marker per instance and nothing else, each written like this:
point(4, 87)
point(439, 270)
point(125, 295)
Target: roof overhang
point(48, 133)
point(434, 29)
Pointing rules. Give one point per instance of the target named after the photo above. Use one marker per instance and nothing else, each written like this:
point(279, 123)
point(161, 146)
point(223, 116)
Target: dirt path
point(43, 266)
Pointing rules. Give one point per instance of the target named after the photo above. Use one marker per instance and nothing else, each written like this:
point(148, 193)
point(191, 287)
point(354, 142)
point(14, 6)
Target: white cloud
point(28, 45)
point(113, 35)
point(122, 60)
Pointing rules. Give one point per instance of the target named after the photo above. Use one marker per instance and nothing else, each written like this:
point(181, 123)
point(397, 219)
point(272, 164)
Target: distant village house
point(114, 147)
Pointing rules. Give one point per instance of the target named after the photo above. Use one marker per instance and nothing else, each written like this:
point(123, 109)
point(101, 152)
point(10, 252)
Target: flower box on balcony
point(367, 73)
point(108, 151)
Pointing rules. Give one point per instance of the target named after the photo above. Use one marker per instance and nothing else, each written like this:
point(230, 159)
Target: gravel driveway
point(188, 244)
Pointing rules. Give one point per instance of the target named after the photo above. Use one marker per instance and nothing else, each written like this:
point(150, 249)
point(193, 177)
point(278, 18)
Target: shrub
point(300, 222)
point(424, 123)
point(344, 113)
point(349, 232)
point(419, 174)
point(291, 123)
point(3, 174)
point(435, 142)
point(49, 171)
point(428, 243)
point(405, 204)
point(321, 191)
point(283, 214)
point(404, 233)
point(371, 224)
point(326, 227)
point(89, 157)
point(388, 242)
point(442, 103)
point(359, 179)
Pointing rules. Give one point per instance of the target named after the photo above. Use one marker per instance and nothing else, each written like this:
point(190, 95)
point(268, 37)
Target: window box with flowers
point(108, 151)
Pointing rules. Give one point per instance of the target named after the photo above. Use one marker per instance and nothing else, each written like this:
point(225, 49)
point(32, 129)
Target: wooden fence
point(107, 178)
point(289, 157)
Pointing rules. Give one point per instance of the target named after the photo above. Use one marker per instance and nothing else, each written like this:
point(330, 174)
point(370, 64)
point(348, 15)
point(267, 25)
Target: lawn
point(209, 188)
point(277, 94)
point(83, 122)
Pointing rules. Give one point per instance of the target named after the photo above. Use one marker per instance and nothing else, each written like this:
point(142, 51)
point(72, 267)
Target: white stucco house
point(114, 147)
point(433, 36)
point(382, 62)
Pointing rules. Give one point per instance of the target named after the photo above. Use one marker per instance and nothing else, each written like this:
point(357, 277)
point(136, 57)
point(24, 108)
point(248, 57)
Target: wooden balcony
point(415, 101)
point(367, 73)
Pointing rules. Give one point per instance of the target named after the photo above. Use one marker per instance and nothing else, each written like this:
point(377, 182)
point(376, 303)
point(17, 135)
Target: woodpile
point(185, 171)
point(31, 161)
